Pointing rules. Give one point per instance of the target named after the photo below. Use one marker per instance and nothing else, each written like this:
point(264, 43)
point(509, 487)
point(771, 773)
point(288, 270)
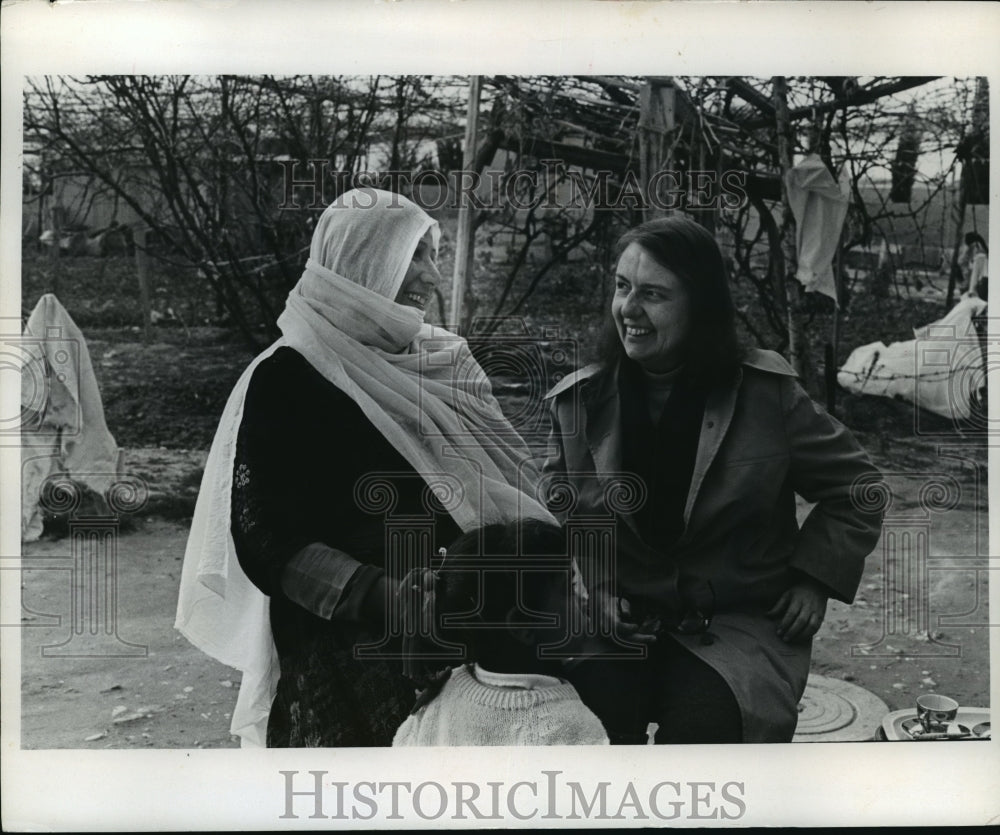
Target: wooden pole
point(970, 169)
point(657, 121)
point(465, 245)
point(797, 351)
point(142, 273)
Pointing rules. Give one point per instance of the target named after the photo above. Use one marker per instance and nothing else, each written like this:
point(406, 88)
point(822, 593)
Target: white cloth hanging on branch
point(819, 204)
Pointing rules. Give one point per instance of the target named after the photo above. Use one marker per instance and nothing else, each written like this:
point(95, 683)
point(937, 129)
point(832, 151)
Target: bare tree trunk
point(465, 243)
point(56, 213)
point(142, 273)
point(958, 216)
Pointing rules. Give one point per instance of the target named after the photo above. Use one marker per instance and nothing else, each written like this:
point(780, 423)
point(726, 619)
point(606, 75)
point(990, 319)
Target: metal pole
point(464, 242)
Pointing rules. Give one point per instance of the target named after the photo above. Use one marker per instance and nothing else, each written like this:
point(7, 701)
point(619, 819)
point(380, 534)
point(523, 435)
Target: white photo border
point(796, 785)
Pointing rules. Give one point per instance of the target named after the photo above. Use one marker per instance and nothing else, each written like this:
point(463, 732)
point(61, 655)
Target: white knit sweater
point(470, 712)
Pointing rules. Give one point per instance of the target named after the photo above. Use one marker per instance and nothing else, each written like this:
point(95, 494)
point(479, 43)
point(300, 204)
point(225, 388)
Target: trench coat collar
point(603, 430)
point(602, 420)
point(603, 417)
point(719, 407)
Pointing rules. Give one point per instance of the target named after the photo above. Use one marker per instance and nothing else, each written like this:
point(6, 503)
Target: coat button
point(710, 424)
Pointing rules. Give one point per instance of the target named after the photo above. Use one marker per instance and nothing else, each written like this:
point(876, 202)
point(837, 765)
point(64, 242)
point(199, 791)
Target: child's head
point(503, 591)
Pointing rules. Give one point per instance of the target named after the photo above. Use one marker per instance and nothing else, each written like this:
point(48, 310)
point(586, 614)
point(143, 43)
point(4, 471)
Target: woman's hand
point(415, 600)
point(613, 616)
point(801, 610)
point(416, 604)
point(412, 597)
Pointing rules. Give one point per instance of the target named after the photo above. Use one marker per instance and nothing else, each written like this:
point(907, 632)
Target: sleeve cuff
point(318, 578)
point(364, 599)
point(840, 581)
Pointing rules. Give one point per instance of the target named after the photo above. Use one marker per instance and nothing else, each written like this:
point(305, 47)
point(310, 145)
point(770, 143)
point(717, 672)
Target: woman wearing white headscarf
point(358, 401)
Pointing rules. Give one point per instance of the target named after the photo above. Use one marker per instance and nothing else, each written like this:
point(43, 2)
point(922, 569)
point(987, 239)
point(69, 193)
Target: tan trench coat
point(762, 441)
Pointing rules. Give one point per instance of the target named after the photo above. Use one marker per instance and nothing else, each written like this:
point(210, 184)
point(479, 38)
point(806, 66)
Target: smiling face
point(422, 276)
point(651, 311)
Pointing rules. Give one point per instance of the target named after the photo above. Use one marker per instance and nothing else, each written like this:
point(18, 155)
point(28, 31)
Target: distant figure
point(982, 287)
point(506, 692)
point(884, 272)
point(974, 260)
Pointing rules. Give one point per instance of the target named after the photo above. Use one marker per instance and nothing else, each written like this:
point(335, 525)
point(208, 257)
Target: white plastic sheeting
point(62, 415)
point(940, 370)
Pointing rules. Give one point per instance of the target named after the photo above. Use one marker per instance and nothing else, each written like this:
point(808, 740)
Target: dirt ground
point(151, 689)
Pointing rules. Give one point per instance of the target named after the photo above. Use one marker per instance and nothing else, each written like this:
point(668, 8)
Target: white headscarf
point(418, 385)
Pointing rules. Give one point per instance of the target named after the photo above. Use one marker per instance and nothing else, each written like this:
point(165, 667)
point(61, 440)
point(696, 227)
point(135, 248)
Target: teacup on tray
point(936, 712)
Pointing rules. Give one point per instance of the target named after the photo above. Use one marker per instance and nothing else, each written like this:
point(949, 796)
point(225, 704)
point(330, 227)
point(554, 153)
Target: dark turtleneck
point(661, 423)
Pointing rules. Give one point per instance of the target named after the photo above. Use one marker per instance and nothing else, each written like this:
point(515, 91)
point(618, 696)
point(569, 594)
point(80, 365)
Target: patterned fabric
point(329, 699)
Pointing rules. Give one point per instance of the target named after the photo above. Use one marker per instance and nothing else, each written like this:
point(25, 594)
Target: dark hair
point(487, 573)
point(713, 350)
point(975, 238)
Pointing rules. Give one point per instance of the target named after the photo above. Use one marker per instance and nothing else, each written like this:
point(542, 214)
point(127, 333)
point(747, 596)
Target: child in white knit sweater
point(501, 594)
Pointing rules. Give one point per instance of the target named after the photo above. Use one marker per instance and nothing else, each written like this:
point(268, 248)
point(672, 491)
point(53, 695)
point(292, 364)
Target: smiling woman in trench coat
point(711, 572)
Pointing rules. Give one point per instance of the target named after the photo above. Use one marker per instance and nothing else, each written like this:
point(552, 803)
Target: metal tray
point(903, 726)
